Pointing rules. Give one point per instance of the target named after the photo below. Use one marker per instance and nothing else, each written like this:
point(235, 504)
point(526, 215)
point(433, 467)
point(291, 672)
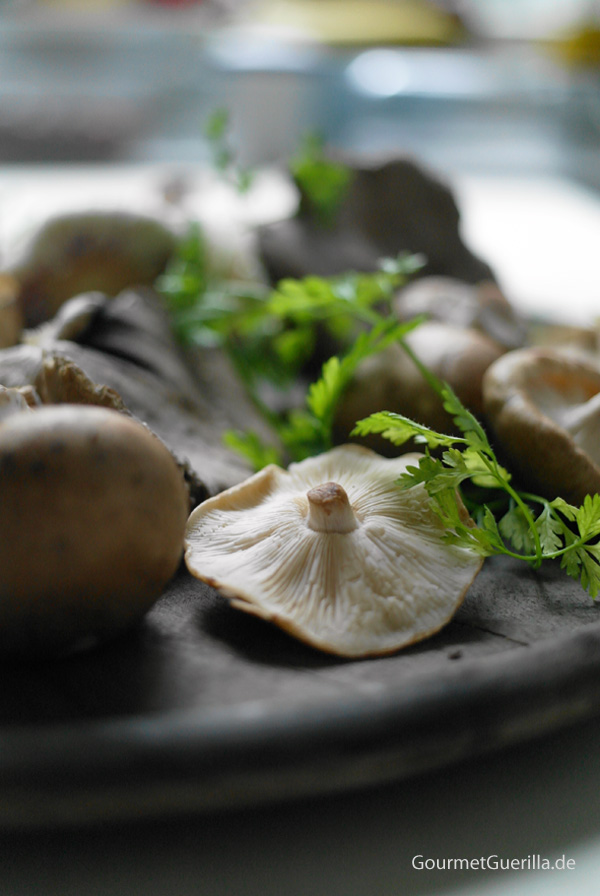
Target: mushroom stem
point(329, 509)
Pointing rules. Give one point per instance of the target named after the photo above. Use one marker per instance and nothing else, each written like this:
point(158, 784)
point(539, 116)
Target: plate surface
point(204, 707)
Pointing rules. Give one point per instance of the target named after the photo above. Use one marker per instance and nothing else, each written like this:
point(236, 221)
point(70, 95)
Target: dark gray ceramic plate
point(204, 707)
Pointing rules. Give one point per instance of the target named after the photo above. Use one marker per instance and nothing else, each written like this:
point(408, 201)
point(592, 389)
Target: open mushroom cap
point(543, 406)
point(333, 551)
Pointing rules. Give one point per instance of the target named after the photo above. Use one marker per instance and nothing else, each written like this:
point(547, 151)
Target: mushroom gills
point(582, 422)
point(334, 552)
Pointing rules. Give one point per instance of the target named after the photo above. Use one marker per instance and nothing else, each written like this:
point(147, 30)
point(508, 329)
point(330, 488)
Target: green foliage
point(217, 134)
point(307, 431)
point(558, 531)
point(252, 447)
point(270, 335)
point(323, 182)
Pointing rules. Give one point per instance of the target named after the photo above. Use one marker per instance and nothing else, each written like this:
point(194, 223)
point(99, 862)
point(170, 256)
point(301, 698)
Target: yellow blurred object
point(581, 48)
point(407, 22)
point(84, 5)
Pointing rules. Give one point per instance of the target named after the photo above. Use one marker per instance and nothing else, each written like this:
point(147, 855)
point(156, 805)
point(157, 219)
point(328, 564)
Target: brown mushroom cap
point(77, 252)
point(334, 552)
point(480, 306)
point(391, 381)
point(544, 409)
point(91, 529)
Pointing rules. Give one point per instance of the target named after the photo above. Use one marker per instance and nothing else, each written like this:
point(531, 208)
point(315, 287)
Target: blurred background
point(500, 97)
point(485, 85)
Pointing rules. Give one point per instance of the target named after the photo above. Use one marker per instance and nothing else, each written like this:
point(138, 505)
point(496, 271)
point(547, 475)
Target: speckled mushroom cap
point(543, 406)
point(333, 551)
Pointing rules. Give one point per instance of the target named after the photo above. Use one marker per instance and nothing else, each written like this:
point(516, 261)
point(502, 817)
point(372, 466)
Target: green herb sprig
point(323, 182)
point(224, 158)
point(531, 528)
point(305, 432)
point(272, 334)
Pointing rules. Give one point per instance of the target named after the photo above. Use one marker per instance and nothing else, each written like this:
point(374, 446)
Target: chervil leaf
point(587, 517)
point(216, 132)
point(488, 522)
point(251, 446)
point(399, 429)
point(324, 395)
point(569, 511)
point(464, 420)
point(570, 561)
point(323, 182)
point(590, 570)
point(429, 471)
point(515, 528)
point(474, 465)
point(550, 529)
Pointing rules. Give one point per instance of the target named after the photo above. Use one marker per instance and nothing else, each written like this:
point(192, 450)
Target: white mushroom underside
point(388, 582)
point(580, 417)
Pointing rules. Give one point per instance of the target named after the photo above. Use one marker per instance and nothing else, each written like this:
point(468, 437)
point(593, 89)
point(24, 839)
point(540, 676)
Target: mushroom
point(481, 306)
point(391, 205)
point(543, 407)
point(334, 552)
point(76, 252)
point(11, 318)
point(92, 522)
point(72, 320)
point(14, 401)
point(391, 380)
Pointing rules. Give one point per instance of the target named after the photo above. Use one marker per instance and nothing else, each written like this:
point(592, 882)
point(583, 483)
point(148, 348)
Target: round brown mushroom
point(78, 252)
point(543, 407)
point(391, 381)
point(481, 306)
point(92, 522)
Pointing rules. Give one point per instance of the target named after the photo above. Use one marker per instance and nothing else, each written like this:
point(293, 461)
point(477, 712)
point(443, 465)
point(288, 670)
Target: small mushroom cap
point(389, 379)
point(333, 551)
point(481, 306)
point(76, 252)
point(543, 406)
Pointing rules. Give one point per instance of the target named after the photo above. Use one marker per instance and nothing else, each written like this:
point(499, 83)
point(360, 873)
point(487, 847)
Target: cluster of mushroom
point(331, 550)
point(466, 328)
point(93, 504)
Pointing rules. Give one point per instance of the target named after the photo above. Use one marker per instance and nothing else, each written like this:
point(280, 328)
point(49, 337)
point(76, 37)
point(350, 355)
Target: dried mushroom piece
point(391, 205)
point(544, 409)
point(61, 381)
point(14, 401)
point(334, 552)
